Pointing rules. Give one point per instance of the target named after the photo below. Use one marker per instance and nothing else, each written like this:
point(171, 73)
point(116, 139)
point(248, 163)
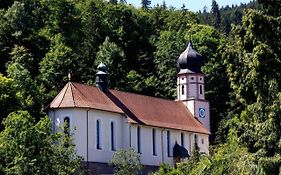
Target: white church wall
point(202, 142)
point(147, 156)
point(123, 137)
point(126, 134)
point(105, 153)
point(77, 126)
point(190, 105)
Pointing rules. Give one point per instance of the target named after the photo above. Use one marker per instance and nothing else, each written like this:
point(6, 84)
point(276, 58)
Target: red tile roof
point(83, 96)
point(138, 108)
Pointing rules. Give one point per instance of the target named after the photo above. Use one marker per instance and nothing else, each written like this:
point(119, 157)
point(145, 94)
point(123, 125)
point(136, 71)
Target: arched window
point(154, 142)
point(182, 90)
point(98, 139)
point(112, 130)
point(168, 144)
point(139, 138)
point(200, 89)
point(66, 122)
point(182, 139)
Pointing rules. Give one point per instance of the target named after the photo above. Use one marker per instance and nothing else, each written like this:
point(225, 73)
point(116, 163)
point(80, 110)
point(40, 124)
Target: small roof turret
point(101, 77)
point(190, 59)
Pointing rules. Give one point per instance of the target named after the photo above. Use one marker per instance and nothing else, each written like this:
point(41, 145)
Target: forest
point(42, 41)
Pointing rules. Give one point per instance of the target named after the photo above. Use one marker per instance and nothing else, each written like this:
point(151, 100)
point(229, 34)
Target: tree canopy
point(28, 147)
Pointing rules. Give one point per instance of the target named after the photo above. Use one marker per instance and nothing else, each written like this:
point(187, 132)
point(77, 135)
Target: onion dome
point(190, 59)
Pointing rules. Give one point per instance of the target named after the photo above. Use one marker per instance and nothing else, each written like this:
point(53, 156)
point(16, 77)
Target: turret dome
point(190, 59)
point(102, 67)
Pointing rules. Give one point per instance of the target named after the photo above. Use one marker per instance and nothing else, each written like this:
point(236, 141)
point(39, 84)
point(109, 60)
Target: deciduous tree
point(31, 148)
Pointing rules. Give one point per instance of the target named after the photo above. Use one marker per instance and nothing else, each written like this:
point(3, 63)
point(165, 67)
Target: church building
point(162, 131)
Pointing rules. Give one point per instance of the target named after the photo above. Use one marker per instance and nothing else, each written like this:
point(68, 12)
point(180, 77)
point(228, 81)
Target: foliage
point(223, 17)
point(216, 14)
point(228, 158)
point(7, 96)
point(31, 148)
point(253, 69)
point(113, 57)
point(126, 162)
point(27, 91)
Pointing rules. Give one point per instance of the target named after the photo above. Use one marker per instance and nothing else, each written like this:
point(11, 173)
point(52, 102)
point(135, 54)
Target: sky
point(193, 5)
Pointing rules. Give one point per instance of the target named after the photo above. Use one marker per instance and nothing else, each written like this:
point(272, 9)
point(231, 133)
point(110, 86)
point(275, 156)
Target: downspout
point(87, 127)
point(190, 144)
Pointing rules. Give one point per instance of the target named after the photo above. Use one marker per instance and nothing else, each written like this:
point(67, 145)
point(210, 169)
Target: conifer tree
point(145, 4)
point(123, 1)
point(216, 14)
point(113, 1)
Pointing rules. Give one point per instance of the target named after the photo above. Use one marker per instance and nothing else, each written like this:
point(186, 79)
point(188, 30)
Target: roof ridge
point(160, 98)
point(64, 94)
point(80, 93)
point(72, 94)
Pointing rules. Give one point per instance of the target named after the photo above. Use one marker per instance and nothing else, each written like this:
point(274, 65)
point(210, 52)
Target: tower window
point(98, 139)
point(200, 89)
point(112, 128)
point(182, 139)
point(154, 141)
point(168, 144)
point(202, 141)
point(200, 79)
point(139, 139)
point(192, 78)
point(182, 78)
point(182, 90)
point(66, 121)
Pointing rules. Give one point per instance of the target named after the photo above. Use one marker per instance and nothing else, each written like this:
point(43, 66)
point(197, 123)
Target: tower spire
point(191, 85)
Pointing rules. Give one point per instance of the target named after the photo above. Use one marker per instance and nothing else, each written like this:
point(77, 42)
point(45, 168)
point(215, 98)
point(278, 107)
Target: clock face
point(202, 112)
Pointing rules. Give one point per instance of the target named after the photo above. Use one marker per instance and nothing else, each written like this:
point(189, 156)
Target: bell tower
point(191, 86)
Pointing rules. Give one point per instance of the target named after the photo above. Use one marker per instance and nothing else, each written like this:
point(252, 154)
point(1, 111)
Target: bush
point(126, 162)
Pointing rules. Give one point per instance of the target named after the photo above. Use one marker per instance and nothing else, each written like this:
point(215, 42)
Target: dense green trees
point(216, 14)
point(145, 4)
point(30, 148)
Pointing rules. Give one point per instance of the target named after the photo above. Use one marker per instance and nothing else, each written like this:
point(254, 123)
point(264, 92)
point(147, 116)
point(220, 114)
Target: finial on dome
point(69, 75)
